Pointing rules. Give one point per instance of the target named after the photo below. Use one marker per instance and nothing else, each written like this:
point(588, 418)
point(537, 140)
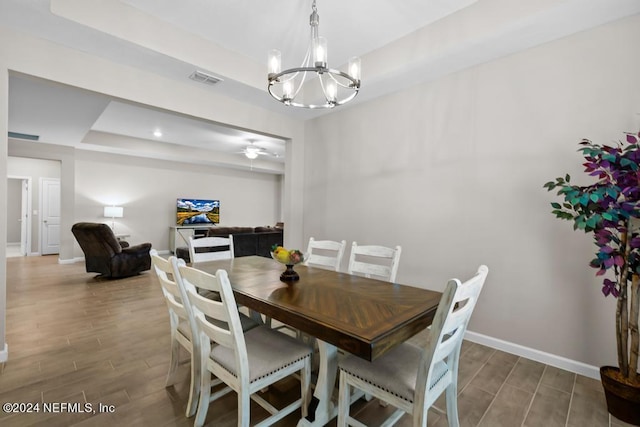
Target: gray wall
point(453, 171)
point(148, 189)
point(14, 210)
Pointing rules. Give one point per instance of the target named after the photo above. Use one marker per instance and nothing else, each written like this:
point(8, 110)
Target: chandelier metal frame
point(315, 61)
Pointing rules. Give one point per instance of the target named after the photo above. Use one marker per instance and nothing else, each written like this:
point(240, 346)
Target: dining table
point(362, 316)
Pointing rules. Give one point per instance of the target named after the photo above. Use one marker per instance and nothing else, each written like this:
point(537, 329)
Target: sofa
point(104, 254)
point(246, 240)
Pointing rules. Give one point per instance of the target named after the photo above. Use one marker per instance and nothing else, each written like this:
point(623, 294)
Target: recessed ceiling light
point(157, 133)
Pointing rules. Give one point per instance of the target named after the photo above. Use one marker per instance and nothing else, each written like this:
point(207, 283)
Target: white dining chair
point(205, 249)
point(410, 377)
point(246, 362)
point(372, 261)
point(325, 253)
point(182, 329)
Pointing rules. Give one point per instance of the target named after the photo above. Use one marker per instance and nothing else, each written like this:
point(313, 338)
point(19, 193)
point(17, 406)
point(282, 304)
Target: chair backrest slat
point(215, 310)
point(173, 296)
point(208, 311)
point(210, 243)
point(379, 262)
point(370, 270)
point(325, 253)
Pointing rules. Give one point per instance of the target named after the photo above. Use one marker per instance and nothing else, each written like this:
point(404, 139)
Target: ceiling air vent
point(202, 77)
point(17, 135)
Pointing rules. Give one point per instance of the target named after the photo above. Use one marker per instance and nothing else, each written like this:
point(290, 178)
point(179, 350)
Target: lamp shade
point(113, 211)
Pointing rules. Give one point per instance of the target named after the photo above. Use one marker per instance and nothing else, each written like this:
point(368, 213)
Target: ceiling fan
point(252, 151)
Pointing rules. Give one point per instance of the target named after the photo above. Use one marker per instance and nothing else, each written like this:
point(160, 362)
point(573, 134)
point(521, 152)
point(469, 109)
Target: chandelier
point(332, 87)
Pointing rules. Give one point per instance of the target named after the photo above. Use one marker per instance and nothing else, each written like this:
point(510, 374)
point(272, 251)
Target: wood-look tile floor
point(76, 339)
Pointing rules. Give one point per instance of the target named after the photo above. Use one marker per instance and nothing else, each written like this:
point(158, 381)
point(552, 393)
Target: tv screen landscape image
point(197, 211)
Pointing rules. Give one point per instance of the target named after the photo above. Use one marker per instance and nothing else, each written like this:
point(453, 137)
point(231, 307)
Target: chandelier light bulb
point(287, 90)
point(332, 92)
point(354, 68)
point(275, 61)
point(320, 52)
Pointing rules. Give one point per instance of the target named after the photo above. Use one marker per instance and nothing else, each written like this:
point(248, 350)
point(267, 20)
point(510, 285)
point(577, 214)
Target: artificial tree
point(609, 208)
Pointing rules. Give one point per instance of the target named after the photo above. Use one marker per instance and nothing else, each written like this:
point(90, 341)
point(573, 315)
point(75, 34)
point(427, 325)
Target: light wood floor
point(73, 338)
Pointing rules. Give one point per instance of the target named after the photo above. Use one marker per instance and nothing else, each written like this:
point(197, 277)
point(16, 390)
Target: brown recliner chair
point(104, 254)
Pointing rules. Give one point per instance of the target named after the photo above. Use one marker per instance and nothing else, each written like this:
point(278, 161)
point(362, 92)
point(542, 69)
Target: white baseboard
point(34, 254)
point(165, 252)
point(4, 354)
point(537, 355)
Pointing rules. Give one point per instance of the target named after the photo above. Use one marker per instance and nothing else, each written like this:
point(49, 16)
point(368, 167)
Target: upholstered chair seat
point(264, 357)
point(395, 371)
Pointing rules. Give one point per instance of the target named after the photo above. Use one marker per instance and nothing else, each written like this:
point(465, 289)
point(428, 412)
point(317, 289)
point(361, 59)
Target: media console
point(179, 235)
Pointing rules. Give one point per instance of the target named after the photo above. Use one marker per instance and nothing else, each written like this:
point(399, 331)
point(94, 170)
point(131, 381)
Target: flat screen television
point(197, 211)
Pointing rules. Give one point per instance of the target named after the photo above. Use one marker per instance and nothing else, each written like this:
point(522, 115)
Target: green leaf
point(556, 205)
point(594, 197)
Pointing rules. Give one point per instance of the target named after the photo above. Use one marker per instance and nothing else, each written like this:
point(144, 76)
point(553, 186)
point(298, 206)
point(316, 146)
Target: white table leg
point(325, 409)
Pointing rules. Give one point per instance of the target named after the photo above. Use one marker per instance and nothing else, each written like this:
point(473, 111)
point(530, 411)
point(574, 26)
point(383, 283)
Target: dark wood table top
point(365, 317)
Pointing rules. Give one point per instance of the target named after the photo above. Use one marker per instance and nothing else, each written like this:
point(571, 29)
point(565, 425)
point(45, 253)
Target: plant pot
point(623, 400)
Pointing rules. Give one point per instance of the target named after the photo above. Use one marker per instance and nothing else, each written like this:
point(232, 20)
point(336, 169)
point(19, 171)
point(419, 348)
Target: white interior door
point(24, 218)
point(50, 216)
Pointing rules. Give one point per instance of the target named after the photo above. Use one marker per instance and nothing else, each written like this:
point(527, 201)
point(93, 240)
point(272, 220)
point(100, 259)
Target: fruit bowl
point(288, 258)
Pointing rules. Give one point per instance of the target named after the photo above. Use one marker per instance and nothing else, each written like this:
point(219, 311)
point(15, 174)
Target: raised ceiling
point(401, 43)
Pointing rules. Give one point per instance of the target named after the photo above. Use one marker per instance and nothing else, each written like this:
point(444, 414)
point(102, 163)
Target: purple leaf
point(609, 287)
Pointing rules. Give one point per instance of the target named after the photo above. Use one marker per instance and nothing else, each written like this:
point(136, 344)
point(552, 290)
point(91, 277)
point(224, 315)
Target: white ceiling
point(252, 27)
point(246, 30)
